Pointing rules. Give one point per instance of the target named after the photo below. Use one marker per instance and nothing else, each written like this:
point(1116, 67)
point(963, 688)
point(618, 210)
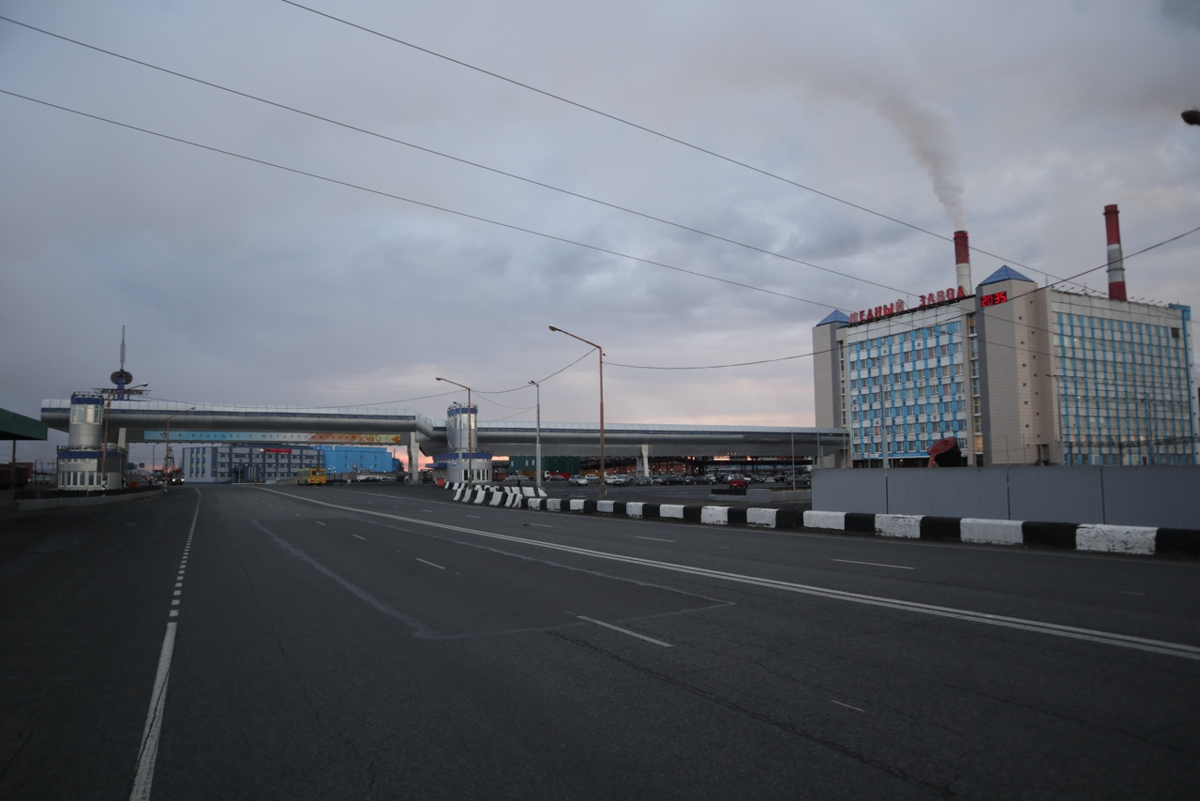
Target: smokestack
point(962, 261)
point(1116, 261)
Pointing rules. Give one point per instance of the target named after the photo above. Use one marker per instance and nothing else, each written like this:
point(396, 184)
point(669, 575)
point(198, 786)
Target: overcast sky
point(242, 282)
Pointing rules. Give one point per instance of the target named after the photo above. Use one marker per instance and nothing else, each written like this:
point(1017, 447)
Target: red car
point(738, 482)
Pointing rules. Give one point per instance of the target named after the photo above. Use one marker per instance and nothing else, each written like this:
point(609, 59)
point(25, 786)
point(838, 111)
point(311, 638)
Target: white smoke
point(931, 136)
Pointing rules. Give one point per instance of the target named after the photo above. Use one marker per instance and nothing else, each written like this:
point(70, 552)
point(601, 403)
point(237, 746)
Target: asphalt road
point(383, 642)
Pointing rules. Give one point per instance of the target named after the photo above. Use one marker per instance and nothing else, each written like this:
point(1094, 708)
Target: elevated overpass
point(149, 421)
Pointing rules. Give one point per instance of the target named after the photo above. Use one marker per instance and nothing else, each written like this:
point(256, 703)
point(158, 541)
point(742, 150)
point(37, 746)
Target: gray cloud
point(244, 283)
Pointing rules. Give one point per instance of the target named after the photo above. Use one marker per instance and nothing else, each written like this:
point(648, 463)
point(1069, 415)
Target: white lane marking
point(298, 514)
point(856, 709)
point(320, 522)
point(173, 613)
point(872, 564)
point(476, 517)
point(158, 699)
point(656, 539)
point(178, 592)
point(623, 631)
point(431, 564)
point(542, 525)
point(1039, 627)
point(175, 602)
point(355, 535)
point(423, 510)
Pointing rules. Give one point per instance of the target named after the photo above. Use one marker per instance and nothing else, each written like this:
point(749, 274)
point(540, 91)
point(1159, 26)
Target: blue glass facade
point(1124, 391)
point(906, 390)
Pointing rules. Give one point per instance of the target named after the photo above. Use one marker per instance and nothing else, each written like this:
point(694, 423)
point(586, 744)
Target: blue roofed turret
point(836, 316)
point(1005, 273)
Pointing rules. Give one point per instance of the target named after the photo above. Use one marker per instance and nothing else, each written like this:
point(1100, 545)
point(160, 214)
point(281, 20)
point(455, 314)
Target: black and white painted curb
point(1098, 538)
point(511, 497)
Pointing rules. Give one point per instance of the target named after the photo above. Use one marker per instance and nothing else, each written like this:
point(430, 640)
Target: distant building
point(88, 463)
point(462, 462)
point(227, 462)
point(358, 459)
point(1017, 373)
point(230, 462)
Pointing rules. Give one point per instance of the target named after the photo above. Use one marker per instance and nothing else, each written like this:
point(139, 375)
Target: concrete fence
point(1167, 497)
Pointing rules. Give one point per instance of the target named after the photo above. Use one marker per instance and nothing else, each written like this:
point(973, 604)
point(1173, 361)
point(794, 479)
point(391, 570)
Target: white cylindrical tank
point(460, 421)
point(86, 428)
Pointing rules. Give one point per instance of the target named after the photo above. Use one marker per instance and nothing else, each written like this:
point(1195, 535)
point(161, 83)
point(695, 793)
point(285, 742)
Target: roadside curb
point(1091, 537)
point(1087, 537)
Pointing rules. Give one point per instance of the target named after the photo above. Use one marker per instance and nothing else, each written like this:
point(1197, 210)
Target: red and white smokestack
point(1116, 261)
point(962, 261)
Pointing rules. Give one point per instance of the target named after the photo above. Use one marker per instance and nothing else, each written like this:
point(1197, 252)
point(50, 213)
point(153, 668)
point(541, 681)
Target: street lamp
point(537, 458)
point(470, 440)
point(600, 350)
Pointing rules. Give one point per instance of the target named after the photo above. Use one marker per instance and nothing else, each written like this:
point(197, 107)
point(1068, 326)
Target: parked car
point(643, 481)
point(556, 477)
point(618, 480)
point(699, 479)
point(738, 482)
point(577, 481)
point(672, 478)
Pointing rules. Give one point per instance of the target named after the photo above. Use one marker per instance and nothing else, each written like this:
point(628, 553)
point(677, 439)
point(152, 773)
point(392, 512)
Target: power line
point(457, 159)
point(646, 129)
point(423, 204)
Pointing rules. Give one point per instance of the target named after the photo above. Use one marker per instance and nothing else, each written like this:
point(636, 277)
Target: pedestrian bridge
point(150, 420)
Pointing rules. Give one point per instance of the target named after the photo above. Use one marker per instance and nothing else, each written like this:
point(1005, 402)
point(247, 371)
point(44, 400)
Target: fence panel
point(1056, 494)
point(1168, 497)
point(849, 491)
point(959, 492)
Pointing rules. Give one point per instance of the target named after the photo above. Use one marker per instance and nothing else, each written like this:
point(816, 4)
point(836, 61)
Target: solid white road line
point(1036, 626)
point(856, 709)
point(656, 539)
point(431, 564)
point(355, 535)
point(320, 522)
point(624, 631)
point(872, 564)
point(158, 699)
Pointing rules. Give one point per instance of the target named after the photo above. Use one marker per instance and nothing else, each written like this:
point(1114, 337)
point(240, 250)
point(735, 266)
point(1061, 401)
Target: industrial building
point(1018, 374)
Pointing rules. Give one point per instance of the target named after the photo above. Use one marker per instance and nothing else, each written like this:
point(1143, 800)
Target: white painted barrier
point(761, 517)
point(828, 520)
point(672, 511)
point(904, 526)
point(991, 532)
point(1116, 539)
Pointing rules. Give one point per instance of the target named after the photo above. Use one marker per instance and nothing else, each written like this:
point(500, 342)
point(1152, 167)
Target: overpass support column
point(645, 471)
point(414, 459)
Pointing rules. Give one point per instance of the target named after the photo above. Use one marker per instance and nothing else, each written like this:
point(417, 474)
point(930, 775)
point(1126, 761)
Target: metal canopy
point(15, 426)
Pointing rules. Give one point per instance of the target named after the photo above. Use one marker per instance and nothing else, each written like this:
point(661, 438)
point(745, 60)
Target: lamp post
point(470, 441)
point(537, 457)
point(600, 350)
